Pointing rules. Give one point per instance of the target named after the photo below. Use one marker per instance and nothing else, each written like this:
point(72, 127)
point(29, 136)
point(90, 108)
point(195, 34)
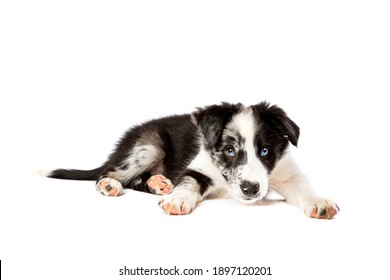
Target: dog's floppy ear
point(277, 118)
point(212, 120)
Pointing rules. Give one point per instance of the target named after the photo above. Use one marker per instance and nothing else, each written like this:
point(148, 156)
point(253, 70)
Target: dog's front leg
point(183, 199)
point(288, 180)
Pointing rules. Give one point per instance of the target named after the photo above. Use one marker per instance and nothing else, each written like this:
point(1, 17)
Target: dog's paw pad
point(159, 184)
point(322, 209)
point(177, 204)
point(109, 187)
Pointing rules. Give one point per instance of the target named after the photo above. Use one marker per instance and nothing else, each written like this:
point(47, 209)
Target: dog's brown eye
point(230, 151)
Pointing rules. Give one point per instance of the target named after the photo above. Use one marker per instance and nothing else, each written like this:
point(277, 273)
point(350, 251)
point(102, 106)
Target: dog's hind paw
point(159, 184)
point(322, 209)
point(179, 203)
point(109, 186)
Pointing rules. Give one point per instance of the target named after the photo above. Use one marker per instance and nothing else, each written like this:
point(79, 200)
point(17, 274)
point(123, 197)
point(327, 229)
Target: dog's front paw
point(109, 187)
point(178, 203)
point(322, 209)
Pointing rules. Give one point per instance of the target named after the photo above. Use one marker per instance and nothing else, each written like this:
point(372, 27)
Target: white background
point(75, 74)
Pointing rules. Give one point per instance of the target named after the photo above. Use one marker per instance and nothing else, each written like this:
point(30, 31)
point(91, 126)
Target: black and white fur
point(217, 151)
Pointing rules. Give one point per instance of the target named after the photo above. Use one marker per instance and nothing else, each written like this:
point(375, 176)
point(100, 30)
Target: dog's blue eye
point(264, 152)
point(230, 152)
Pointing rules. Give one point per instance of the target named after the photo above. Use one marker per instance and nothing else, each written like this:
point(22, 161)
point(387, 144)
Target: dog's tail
point(73, 174)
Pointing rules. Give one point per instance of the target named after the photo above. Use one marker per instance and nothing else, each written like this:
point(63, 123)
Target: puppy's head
point(246, 143)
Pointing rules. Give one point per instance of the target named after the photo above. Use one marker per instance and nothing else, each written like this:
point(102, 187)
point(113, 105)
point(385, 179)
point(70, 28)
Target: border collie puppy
point(217, 151)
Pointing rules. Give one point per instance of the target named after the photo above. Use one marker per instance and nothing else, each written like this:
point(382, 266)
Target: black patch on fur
point(274, 126)
point(75, 174)
point(203, 181)
point(274, 117)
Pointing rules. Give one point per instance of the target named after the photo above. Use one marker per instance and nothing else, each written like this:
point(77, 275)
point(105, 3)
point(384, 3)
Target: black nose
point(250, 189)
